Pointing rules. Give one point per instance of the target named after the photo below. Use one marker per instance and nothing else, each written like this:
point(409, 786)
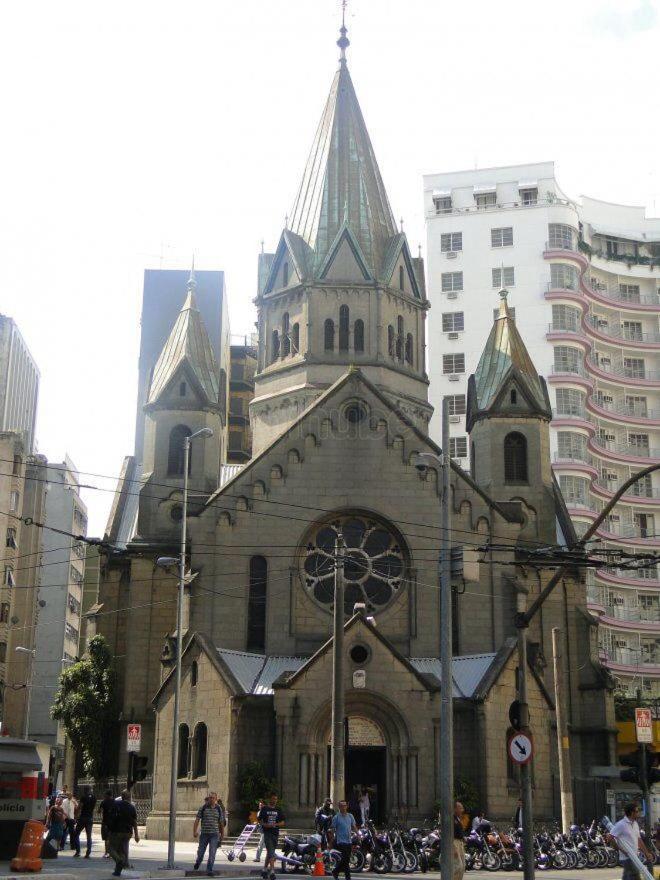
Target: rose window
point(374, 567)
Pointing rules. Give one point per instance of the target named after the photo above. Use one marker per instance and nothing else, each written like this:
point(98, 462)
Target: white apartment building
point(584, 280)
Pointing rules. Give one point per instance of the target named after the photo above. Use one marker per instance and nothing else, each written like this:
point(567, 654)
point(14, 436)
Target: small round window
point(359, 654)
point(355, 413)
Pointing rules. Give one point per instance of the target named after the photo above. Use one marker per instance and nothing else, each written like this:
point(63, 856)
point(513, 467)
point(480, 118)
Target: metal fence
point(141, 794)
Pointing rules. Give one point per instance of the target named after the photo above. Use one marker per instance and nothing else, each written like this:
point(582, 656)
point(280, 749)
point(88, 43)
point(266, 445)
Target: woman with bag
point(55, 820)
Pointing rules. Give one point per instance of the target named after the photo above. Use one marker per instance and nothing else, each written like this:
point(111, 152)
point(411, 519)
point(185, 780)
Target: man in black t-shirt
point(271, 819)
point(87, 802)
point(122, 822)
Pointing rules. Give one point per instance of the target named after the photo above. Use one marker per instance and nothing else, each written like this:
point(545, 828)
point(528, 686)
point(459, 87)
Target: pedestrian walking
point(271, 819)
point(459, 842)
point(626, 831)
point(365, 806)
point(260, 842)
point(55, 822)
point(85, 821)
point(122, 823)
point(69, 805)
point(104, 809)
point(342, 825)
point(211, 817)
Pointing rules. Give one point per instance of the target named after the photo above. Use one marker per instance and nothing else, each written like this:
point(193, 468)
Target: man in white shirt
point(626, 831)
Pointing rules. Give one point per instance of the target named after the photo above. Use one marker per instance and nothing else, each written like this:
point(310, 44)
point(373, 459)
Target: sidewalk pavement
point(147, 860)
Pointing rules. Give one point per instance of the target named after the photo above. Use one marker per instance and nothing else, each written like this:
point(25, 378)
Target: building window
point(358, 336)
point(637, 405)
point(513, 397)
point(193, 673)
point(629, 292)
point(561, 236)
point(568, 360)
point(452, 281)
point(285, 274)
point(639, 441)
point(275, 346)
point(256, 617)
point(286, 337)
point(343, 328)
point(565, 318)
point(529, 196)
point(402, 286)
point(184, 752)
point(453, 363)
point(236, 441)
point(4, 612)
point(199, 750)
point(14, 499)
point(612, 247)
point(3, 652)
point(501, 237)
point(18, 461)
point(634, 368)
point(571, 447)
point(452, 322)
point(8, 579)
point(182, 389)
point(570, 402)
point(390, 340)
point(563, 277)
point(442, 204)
point(456, 404)
point(10, 540)
point(175, 454)
point(458, 447)
point(485, 200)
point(632, 330)
point(574, 489)
point(409, 348)
point(74, 604)
point(451, 241)
point(295, 338)
point(70, 632)
point(399, 337)
point(515, 458)
point(503, 277)
point(329, 334)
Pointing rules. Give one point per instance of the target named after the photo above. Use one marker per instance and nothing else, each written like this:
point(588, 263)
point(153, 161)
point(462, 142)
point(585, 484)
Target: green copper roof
point(505, 351)
point(188, 343)
point(342, 183)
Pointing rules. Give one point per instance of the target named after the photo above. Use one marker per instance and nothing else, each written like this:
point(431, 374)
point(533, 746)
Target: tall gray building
point(19, 384)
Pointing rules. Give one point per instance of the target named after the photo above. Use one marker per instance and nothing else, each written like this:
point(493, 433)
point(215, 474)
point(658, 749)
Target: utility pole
point(563, 744)
point(447, 683)
point(525, 769)
point(337, 747)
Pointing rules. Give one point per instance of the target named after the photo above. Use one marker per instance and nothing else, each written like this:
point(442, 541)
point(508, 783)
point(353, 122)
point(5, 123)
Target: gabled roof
point(504, 357)
point(342, 182)
point(188, 346)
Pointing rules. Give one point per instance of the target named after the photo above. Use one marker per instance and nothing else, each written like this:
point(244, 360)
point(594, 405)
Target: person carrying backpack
point(122, 823)
point(211, 817)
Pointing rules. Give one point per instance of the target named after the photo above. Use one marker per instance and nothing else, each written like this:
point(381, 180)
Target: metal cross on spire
point(192, 283)
point(343, 42)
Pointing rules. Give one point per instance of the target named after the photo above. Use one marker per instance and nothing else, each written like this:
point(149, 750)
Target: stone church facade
point(340, 412)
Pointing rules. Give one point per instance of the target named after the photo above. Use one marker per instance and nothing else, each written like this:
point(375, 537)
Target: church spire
point(343, 42)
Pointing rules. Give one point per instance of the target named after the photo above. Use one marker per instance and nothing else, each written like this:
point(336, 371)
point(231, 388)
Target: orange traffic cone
point(319, 866)
point(29, 849)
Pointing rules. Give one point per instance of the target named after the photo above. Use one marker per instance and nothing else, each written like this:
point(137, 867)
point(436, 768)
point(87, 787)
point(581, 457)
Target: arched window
point(295, 339)
point(343, 328)
point(182, 389)
point(275, 346)
point(285, 274)
point(390, 340)
point(199, 751)
point(329, 334)
point(184, 751)
point(515, 458)
point(409, 348)
point(193, 673)
point(256, 618)
point(514, 396)
point(175, 451)
point(286, 338)
point(399, 337)
point(358, 335)
point(401, 281)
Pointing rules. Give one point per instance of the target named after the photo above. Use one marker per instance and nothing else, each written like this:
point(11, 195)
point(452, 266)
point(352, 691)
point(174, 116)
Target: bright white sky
point(136, 131)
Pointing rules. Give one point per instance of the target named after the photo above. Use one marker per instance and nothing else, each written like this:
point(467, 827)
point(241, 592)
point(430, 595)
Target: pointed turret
point(505, 365)
point(342, 187)
point(188, 345)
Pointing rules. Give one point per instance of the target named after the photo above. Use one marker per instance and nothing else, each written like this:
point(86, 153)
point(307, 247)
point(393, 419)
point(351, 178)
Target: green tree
point(254, 785)
point(86, 704)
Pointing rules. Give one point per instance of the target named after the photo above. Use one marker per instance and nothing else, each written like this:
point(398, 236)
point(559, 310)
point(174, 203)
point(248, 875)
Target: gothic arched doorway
point(366, 769)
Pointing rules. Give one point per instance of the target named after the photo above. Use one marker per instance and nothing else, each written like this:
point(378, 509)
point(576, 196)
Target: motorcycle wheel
point(398, 863)
point(491, 861)
point(571, 855)
point(411, 861)
point(381, 863)
point(581, 861)
point(560, 859)
point(357, 861)
point(288, 868)
point(592, 859)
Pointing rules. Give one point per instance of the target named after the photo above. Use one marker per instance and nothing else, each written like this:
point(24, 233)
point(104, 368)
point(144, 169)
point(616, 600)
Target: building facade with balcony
point(584, 281)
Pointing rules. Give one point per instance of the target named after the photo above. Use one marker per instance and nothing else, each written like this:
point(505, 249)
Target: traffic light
point(137, 768)
point(631, 761)
point(652, 769)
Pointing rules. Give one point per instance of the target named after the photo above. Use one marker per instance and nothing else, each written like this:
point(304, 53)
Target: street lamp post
point(165, 561)
point(338, 745)
point(28, 686)
point(446, 692)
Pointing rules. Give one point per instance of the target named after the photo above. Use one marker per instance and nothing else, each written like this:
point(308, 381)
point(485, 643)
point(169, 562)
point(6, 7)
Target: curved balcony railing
point(573, 456)
point(630, 657)
point(562, 245)
point(625, 334)
point(624, 298)
point(572, 329)
point(629, 530)
point(636, 413)
point(620, 371)
point(579, 502)
point(625, 449)
point(637, 490)
point(569, 369)
point(637, 574)
point(634, 613)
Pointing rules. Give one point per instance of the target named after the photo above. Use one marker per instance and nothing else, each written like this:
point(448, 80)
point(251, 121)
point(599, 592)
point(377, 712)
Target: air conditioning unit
point(452, 295)
point(620, 643)
point(451, 255)
point(454, 420)
point(452, 335)
point(454, 378)
point(618, 600)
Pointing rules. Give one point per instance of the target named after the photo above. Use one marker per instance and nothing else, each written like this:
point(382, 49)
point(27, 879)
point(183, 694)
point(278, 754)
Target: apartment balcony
point(625, 375)
point(572, 294)
point(631, 660)
point(629, 533)
point(574, 461)
point(633, 302)
point(622, 412)
point(572, 332)
point(499, 206)
point(573, 417)
point(632, 617)
point(640, 578)
point(631, 337)
point(624, 451)
point(564, 250)
point(575, 374)
point(638, 492)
